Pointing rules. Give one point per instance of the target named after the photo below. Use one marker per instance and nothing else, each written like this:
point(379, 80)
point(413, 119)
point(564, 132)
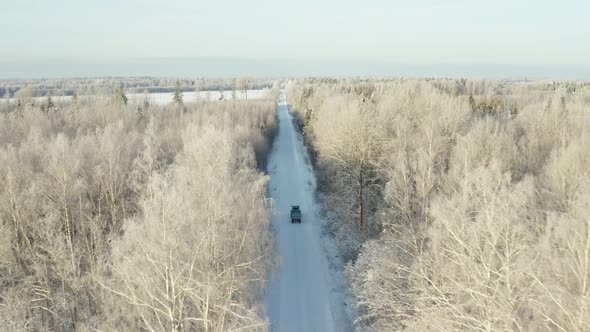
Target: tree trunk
point(360, 197)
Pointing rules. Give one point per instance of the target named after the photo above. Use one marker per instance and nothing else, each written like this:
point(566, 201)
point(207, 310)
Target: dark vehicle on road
point(295, 214)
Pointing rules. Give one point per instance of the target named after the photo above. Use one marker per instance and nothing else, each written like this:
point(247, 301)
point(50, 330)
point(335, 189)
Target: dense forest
point(459, 205)
point(133, 217)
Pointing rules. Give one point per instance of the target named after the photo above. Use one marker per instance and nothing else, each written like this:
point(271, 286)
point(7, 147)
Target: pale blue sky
point(409, 32)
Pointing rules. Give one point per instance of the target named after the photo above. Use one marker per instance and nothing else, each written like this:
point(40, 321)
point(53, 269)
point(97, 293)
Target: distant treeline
point(67, 87)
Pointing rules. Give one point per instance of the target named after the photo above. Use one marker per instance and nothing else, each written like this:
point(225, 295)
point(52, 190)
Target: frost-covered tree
point(480, 201)
point(120, 97)
point(199, 269)
point(354, 145)
point(243, 85)
point(49, 105)
point(75, 189)
point(234, 90)
point(177, 98)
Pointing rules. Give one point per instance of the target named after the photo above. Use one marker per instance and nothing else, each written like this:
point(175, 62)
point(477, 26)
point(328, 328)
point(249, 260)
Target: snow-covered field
point(306, 293)
point(187, 97)
point(163, 98)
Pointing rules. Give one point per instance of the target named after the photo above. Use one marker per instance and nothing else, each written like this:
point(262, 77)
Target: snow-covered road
point(304, 293)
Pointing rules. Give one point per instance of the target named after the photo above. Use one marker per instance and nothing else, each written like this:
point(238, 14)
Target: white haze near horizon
point(95, 38)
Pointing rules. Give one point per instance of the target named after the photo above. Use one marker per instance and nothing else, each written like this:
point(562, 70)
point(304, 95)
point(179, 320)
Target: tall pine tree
point(177, 99)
